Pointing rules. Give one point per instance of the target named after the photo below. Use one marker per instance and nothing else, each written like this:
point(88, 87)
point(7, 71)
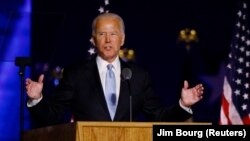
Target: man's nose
point(107, 38)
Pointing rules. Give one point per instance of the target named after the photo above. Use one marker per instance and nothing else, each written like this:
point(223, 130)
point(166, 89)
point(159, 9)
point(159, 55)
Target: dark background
point(61, 30)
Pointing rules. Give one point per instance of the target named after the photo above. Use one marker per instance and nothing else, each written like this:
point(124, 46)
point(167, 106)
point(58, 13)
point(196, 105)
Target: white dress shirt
point(102, 69)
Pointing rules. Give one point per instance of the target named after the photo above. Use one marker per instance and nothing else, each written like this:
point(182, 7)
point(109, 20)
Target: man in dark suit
point(84, 88)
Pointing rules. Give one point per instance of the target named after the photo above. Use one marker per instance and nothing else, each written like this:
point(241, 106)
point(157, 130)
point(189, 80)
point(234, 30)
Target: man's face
point(108, 38)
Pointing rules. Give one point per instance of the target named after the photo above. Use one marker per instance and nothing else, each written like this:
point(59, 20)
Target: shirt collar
point(102, 64)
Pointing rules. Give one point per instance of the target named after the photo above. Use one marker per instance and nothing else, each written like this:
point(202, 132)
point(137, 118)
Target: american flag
point(235, 105)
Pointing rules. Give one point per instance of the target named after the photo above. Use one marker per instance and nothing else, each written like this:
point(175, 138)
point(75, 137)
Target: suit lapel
point(95, 81)
point(123, 102)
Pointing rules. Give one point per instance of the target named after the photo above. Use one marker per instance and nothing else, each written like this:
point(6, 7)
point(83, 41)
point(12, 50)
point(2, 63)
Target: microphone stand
point(130, 102)
point(21, 74)
point(22, 62)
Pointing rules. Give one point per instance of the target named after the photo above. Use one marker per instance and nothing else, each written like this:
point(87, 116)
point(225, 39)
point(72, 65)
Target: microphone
point(127, 74)
point(22, 62)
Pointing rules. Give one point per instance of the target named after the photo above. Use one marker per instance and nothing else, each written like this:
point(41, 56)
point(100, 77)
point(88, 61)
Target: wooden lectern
point(98, 131)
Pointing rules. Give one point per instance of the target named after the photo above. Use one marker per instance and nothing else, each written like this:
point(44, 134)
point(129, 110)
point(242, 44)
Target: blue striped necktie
point(110, 90)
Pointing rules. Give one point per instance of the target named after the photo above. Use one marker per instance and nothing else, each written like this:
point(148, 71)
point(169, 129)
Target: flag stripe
point(225, 106)
point(246, 120)
point(232, 114)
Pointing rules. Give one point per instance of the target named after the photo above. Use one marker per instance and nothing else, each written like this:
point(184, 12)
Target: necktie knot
point(109, 66)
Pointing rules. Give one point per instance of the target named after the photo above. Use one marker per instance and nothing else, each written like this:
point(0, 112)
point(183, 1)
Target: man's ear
point(123, 40)
point(92, 41)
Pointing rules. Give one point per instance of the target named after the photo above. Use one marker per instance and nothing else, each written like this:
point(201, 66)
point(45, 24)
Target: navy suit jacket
point(80, 91)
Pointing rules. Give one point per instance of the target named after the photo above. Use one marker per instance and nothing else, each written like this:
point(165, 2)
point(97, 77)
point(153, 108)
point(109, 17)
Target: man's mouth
point(108, 47)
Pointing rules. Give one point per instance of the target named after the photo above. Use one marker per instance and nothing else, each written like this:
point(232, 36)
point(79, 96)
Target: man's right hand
point(33, 88)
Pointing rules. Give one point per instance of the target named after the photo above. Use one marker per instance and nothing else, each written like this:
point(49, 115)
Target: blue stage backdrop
point(15, 23)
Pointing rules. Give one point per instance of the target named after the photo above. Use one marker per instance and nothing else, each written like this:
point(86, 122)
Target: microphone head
point(126, 73)
point(23, 61)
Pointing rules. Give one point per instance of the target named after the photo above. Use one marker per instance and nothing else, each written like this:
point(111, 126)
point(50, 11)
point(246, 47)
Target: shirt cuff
point(188, 109)
point(33, 102)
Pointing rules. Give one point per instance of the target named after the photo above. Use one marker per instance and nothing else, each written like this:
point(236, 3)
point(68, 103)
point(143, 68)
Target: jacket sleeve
point(52, 108)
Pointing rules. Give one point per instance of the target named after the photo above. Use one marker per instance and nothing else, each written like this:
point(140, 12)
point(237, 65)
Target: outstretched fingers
point(198, 90)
